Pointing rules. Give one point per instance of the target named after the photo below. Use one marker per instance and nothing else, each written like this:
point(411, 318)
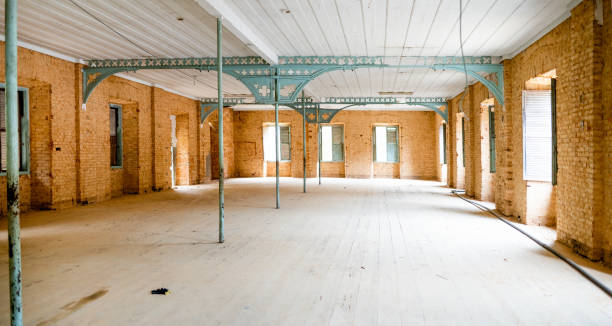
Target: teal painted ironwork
point(277, 139)
point(210, 105)
point(308, 107)
point(294, 73)
point(220, 131)
point(12, 171)
point(304, 141)
point(319, 142)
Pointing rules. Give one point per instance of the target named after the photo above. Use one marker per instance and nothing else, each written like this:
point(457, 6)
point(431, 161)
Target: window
point(270, 143)
point(537, 136)
point(23, 130)
point(463, 140)
point(492, 139)
point(332, 143)
point(385, 144)
point(116, 136)
point(443, 143)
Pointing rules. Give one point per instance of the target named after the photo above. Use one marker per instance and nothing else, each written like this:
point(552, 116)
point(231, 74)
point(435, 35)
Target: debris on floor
point(163, 291)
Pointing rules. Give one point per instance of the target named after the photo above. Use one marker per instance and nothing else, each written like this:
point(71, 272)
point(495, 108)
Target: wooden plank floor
point(363, 252)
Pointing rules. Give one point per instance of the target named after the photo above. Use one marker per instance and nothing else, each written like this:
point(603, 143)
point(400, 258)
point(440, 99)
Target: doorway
point(173, 150)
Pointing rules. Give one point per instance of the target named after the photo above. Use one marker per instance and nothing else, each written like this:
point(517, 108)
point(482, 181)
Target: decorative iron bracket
point(293, 73)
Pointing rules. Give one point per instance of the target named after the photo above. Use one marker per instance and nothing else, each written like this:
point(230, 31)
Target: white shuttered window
point(537, 136)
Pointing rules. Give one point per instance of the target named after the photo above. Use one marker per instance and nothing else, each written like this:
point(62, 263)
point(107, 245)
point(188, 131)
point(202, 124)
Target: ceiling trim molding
point(235, 24)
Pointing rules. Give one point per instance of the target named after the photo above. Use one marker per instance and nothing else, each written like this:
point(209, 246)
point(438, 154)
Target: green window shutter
point(444, 142)
point(392, 152)
point(285, 143)
point(116, 136)
point(537, 135)
point(553, 113)
point(374, 143)
point(492, 139)
point(463, 139)
point(338, 143)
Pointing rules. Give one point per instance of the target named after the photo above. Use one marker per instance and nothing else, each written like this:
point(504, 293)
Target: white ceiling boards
point(111, 29)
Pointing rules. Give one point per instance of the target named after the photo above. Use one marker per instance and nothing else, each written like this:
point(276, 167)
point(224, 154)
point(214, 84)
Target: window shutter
point(392, 144)
point(337, 143)
point(537, 136)
point(463, 139)
point(374, 143)
point(2, 131)
point(285, 143)
point(491, 139)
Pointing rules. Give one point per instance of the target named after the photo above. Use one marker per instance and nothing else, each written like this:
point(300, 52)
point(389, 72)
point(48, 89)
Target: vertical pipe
point(319, 144)
point(304, 140)
point(12, 170)
point(220, 114)
point(277, 137)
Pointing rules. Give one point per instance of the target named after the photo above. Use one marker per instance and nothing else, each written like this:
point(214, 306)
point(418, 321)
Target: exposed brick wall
point(578, 49)
point(607, 122)
point(70, 147)
point(49, 88)
point(164, 105)
point(418, 151)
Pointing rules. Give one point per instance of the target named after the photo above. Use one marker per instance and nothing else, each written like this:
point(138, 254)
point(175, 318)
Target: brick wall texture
point(70, 158)
point(417, 138)
point(581, 202)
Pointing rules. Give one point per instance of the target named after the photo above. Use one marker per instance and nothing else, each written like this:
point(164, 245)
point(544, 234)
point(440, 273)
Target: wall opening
point(385, 151)
point(460, 150)
point(332, 151)
point(442, 144)
point(486, 189)
point(538, 150)
point(182, 149)
point(269, 149)
point(173, 149)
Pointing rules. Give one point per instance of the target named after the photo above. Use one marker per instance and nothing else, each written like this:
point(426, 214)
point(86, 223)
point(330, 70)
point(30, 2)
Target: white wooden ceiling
point(145, 28)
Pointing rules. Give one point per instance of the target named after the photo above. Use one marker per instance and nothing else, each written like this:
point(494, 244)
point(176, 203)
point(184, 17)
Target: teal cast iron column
point(220, 114)
point(304, 140)
point(277, 136)
point(12, 170)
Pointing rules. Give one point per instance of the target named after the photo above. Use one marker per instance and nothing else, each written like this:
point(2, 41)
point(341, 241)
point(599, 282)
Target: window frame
point(526, 176)
point(397, 143)
point(24, 131)
point(492, 137)
point(332, 125)
point(463, 140)
point(443, 142)
point(119, 122)
point(280, 143)
point(553, 116)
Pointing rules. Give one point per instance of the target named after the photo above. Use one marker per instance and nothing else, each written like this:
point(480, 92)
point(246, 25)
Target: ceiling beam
point(242, 31)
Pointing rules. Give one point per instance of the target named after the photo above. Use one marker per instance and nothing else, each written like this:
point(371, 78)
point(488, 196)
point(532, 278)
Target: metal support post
point(319, 143)
point(304, 139)
point(277, 137)
point(12, 170)
point(220, 114)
